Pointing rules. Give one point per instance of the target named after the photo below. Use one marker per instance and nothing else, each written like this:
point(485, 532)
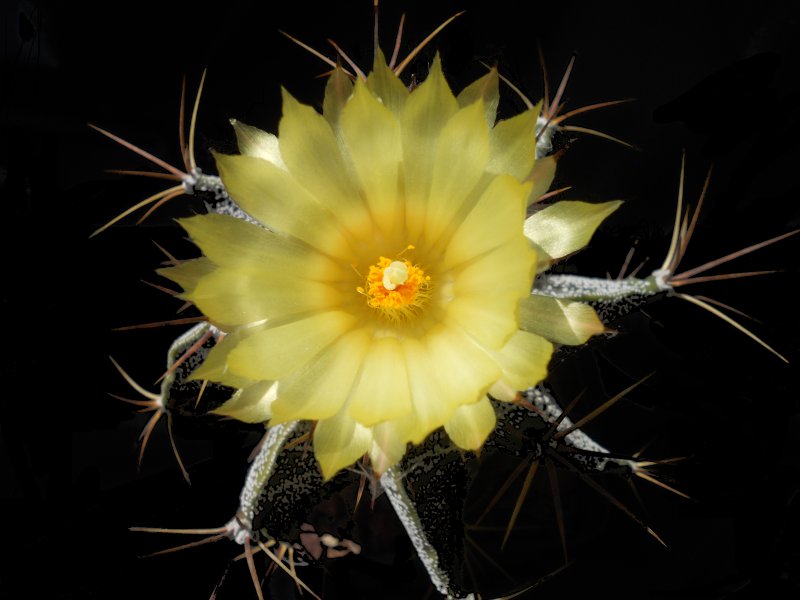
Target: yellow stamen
point(396, 287)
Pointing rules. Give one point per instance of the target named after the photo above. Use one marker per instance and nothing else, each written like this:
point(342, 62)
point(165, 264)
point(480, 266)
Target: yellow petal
point(426, 112)
point(272, 196)
point(311, 151)
point(524, 361)
point(567, 226)
point(471, 424)
point(372, 137)
point(559, 321)
point(487, 88)
point(513, 144)
point(339, 442)
point(459, 163)
point(258, 144)
point(251, 404)
point(386, 85)
point(337, 91)
point(235, 243)
point(235, 297)
point(499, 211)
point(279, 350)
point(320, 388)
point(382, 391)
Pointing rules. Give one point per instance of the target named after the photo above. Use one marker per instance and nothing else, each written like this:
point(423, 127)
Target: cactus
point(540, 441)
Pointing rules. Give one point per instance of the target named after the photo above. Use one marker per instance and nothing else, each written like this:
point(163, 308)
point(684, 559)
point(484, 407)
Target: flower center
point(396, 287)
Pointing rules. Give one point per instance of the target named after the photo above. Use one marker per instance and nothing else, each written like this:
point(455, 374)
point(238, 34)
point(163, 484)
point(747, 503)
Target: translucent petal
point(489, 318)
point(433, 404)
point(513, 144)
point(559, 321)
point(542, 175)
point(426, 112)
point(311, 151)
point(524, 361)
point(487, 88)
point(277, 351)
point(494, 220)
point(484, 294)
point(189, 273)
point(382, 391)
point(464, 368)
point(251, 404)
point(567, 226)
point(506, 269)
point(459, 163)
point(215, 366)
point(386, 85)
point(445, 371)
point(272, 196)
point(320, 388)
point(388, 446)
point(471, 424)
point(237, 298)
point(339, 442)
point(251, 141)
point(372, 136)
point(235, 243)
point(337, 91)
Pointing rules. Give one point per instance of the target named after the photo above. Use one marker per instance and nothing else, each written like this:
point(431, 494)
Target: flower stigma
point(395, 274)
point(396, 288)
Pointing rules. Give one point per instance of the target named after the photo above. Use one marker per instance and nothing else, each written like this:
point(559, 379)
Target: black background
point(719, 82)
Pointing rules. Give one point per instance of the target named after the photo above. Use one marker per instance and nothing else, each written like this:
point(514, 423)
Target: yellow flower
point(377, 288)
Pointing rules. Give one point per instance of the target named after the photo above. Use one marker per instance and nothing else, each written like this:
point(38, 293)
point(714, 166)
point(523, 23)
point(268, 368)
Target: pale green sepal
point(218, 372)
point(471, 424)
point(567, 226)
point(257, 143)
point(560, 321)
point(252, 404)
point(339, 442)
point(215, 366)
